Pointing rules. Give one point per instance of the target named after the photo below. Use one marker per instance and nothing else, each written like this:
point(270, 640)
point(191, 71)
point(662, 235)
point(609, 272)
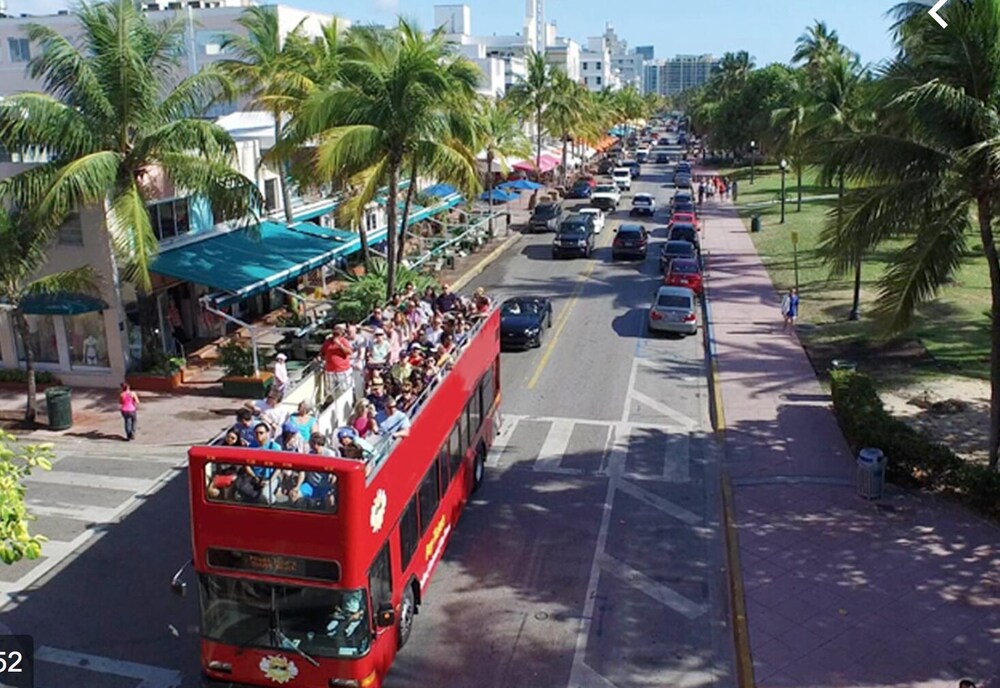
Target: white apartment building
point(595, 64)
point(565, 54)
point(672, 76)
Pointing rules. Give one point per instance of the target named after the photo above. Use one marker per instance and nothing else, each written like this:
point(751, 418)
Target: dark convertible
point(522, 320)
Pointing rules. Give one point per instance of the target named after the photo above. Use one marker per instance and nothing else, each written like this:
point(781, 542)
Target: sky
point(767, 29)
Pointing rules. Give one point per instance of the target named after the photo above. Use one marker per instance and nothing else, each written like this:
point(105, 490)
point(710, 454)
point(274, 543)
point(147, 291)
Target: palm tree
point(564, 114)
point(394, 104)
point(272, 71)
point(499, 134)
point(111, 114)
point(532, 94)
point(815, 46)
point(934, 159)
point(733, 70)
point(791, 126)
point(24, 254)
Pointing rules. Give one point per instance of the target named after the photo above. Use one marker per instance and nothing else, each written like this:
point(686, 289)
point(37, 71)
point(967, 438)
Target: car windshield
point(679, 248)
point(641, 199)
point(546, 210)
point(604, 189)
point(673, 301)
point(316, 621)
point(684, 267)
point(519, 308)
point(629, 232)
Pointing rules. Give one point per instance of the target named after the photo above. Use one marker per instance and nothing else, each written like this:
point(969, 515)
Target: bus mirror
point(386, 615)
point(178, 587)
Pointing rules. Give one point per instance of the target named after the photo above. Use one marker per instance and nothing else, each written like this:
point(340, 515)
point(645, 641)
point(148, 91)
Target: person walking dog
point(128, 403)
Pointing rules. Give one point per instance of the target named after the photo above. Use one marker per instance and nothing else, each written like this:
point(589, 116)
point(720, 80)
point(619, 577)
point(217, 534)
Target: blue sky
point(766, 28)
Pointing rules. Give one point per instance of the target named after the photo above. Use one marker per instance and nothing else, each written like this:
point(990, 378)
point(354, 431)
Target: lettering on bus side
point(432, 543)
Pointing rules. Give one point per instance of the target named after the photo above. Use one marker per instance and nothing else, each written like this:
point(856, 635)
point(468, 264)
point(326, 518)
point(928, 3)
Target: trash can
point(871, 473)
point(755, 223)
point(844, 364)
point(59, 405)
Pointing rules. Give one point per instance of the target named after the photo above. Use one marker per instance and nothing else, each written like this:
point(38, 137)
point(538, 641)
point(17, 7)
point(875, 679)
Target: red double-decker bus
point(321, 592)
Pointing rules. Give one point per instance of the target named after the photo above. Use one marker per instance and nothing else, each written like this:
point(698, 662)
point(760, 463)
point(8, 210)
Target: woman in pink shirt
point(128, 404)
point(363, 418)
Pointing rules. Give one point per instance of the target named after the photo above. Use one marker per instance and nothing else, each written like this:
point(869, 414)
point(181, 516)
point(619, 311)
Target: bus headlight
point(343, 683)
point(221, 667)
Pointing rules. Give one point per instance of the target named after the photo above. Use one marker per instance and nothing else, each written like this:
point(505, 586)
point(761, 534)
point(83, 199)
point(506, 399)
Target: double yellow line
point(567, 311)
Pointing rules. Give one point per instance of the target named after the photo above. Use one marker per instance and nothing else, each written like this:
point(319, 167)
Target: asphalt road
point(591, 557)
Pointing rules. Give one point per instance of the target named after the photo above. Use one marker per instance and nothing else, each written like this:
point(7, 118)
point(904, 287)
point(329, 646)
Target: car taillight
point(655, 315)
point(619, 241)
point(690, 317)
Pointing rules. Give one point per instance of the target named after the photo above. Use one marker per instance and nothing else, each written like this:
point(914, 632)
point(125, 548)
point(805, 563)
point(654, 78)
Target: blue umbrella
point(441, 190)
point(522, 184)
point(497, 196)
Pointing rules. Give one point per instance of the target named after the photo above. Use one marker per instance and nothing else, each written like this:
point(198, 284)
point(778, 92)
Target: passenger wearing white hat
point(281, 374)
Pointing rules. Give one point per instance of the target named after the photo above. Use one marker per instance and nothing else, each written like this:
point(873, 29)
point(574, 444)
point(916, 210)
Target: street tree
point(499, 135)
point(532, 94)
point(564, 115)
point(17, 463)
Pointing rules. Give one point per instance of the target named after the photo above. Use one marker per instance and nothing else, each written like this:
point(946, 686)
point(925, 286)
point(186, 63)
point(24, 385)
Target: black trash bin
point(755, 223)
point(59, 404)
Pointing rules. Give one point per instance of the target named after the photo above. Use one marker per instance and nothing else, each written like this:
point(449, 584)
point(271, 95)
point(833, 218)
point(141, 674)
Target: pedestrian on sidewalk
point(128, 404)
point(735, 189)
point(790, 308)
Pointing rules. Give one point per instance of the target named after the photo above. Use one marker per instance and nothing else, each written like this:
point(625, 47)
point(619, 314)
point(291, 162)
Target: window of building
point(585, 65)
point(20, 49)
point(209, 42)
point(41, 339)
point(87, 341)
point(597, 65)
point(71, 231)
point(598, 80)
point(170, 218)
point(271, 194)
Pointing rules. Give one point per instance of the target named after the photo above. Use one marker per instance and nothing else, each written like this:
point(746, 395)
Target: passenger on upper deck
point(448, 300)
point(392, 421)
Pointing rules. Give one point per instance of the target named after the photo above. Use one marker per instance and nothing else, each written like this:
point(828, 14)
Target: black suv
point(546, 217)
point(575, 237)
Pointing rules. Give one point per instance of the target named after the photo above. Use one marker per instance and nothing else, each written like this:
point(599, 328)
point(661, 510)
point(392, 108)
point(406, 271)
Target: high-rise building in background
point(672, 76)
point(646, 52)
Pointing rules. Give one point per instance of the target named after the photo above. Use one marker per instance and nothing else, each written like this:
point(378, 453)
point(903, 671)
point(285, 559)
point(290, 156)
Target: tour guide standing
point(336, 353)
point(128, 404)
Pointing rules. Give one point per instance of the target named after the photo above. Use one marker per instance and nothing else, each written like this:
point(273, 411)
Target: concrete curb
point(485, 262)
point(717, 410)
point(737, 595)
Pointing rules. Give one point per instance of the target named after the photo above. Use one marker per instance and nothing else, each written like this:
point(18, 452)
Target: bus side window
point(470, 429)
point(408, 532)
point(380, 579)
point(457, 451)
point(442, 467)
point(429, 498)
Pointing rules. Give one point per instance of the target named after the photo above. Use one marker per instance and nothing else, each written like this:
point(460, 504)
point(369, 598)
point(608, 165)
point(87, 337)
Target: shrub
point(42, 377)
point(913, 459)
point(236, 359)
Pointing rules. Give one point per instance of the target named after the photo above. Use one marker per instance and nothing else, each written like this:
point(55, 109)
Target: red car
point(684, 272)
point(686, 217)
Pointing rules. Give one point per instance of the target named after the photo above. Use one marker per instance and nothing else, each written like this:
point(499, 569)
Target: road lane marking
point(652, 588)
point(684, 421)
point(661, 504)
point(95, 514)
point(103, 482)
point(148, 676)
point(500, 443)
point(564, 317)
point(554, 447)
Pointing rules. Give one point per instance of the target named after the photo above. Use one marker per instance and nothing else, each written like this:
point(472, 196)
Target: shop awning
point(61, 303)
point(245, 262)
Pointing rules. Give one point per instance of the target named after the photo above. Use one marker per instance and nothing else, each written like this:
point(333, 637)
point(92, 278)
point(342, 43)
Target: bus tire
point(479, 468)
point(407, 610)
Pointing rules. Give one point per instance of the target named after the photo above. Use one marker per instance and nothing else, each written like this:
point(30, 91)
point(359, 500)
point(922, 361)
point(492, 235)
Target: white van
point(622, 177)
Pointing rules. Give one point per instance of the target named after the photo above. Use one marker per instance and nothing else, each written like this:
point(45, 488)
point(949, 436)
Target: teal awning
point(61, 303)
point(315, 212)
point(244, 262)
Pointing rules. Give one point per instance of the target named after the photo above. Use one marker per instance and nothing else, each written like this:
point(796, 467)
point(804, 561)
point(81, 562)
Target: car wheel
point(479, 467)
point(548, 322)
point(407, 610)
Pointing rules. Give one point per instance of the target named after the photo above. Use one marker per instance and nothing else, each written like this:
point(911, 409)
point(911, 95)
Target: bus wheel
point(407, 609)
point(479, 468)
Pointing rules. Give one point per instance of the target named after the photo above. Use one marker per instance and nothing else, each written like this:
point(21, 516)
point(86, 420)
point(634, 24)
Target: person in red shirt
point(336, 355)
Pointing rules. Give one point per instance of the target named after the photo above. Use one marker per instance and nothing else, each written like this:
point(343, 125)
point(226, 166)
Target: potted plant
point(163, 374)
point(240, 381)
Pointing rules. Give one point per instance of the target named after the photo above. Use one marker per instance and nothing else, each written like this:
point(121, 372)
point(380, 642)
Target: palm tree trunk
point(286, 193)
point(406, 211)
point(489, 185)
point(392, 227)
point(565, 144)
point(363, 239)
point(798, 183)
point(990, 248)
point(538, 140)
point(855, 313)
point(31, 408)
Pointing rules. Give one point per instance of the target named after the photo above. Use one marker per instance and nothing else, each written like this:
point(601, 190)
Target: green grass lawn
point(949, 335)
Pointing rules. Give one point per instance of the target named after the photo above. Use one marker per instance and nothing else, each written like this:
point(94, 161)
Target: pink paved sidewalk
point(841, 592)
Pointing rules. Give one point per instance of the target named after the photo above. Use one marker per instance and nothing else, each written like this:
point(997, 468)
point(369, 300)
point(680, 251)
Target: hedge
point(913, 459)
point(42, 377)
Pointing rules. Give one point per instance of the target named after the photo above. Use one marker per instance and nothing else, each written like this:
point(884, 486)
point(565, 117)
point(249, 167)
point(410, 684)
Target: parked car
point(643, 204)
point(580, 189)
point(634, 167)
point(673, 310)
point(642, 155)
point(661, 157)
point(523, 319)
point(676, 249)
point(683, 231)
point(631, 241)
point(606, 197)
point(678, 217)
point(575, 237)
point(589, 178)
point(682, 180)
point(682, 197)
point(684, 272)
point(598, 216)
point(546, 217)
point(684, 208)
point(622, 177)
point(605, 166)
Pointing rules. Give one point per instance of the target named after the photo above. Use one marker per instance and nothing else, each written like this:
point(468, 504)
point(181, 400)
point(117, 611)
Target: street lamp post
point(784, 168)
point(753, 149)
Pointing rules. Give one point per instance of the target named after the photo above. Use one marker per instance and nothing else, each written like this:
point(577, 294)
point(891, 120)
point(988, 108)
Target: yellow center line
point(566, 311)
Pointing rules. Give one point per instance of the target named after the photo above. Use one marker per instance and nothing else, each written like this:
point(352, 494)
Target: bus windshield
point(315, 621)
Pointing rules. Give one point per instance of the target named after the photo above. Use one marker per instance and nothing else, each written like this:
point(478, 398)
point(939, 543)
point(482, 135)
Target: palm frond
point(132, 237)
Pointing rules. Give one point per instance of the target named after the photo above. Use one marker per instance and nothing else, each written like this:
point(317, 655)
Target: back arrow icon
point(934, 13)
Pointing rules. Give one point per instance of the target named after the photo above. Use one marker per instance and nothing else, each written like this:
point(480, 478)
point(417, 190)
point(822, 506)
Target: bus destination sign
point(273, 564)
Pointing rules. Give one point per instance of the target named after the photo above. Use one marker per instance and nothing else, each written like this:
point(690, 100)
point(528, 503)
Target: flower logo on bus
point(378, 511)
point(279, 669)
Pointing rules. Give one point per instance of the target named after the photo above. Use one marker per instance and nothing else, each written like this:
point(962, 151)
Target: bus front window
point(317, 621)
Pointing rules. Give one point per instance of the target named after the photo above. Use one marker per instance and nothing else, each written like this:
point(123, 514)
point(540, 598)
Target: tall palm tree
point(791, 126)
point(393, 105)
point(499, 134)
point(24, 254)
point(110, 114)
point(271, 69)
point(532, 94)
point(564, 113)
point(817, 44)
point(934, 158)
point(733, 70)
